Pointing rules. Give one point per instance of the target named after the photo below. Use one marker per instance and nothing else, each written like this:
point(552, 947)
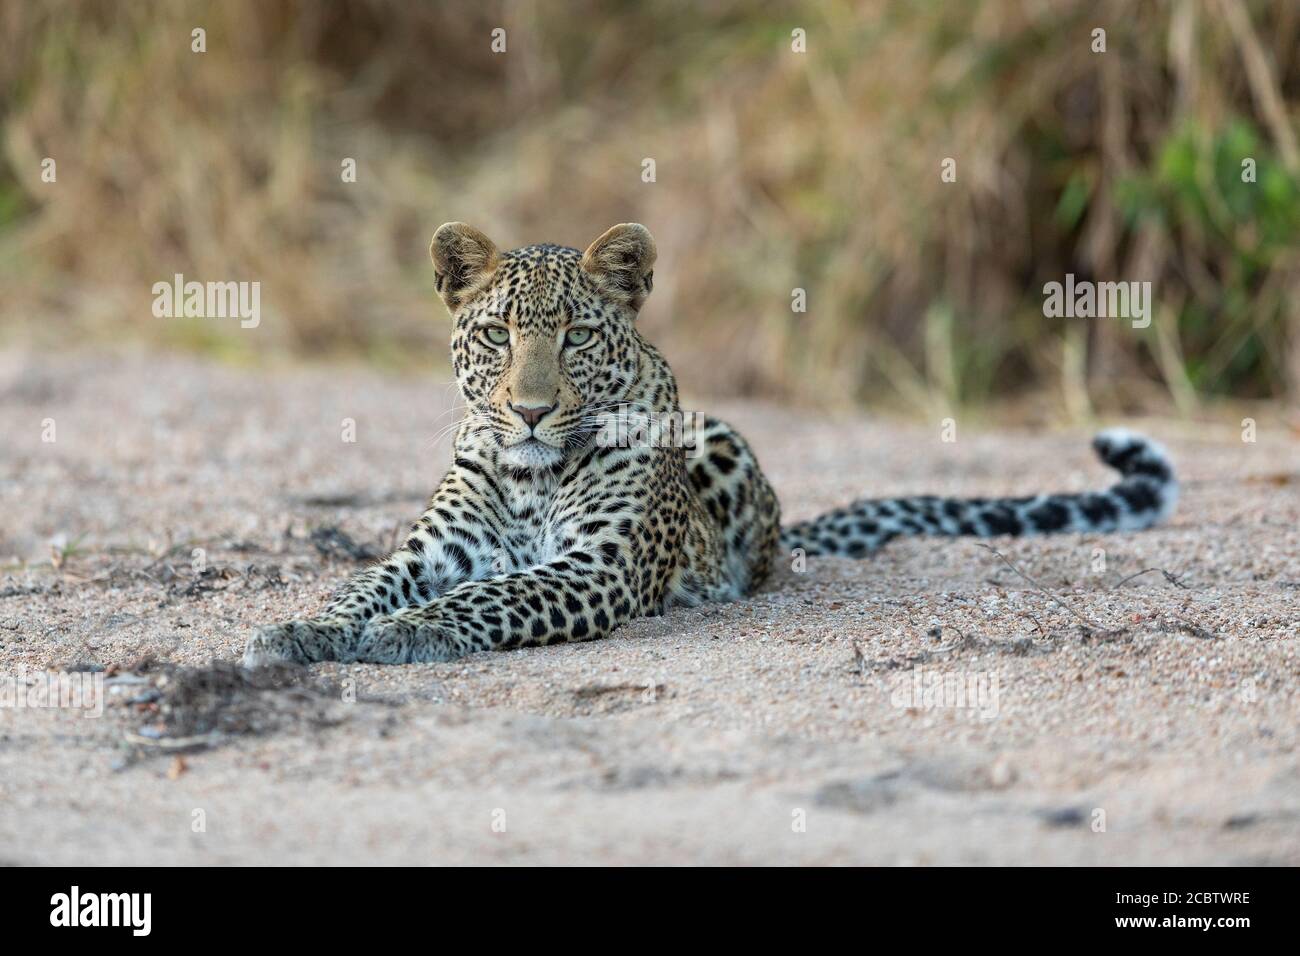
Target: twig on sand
point(1036, 623)
point(1086, 622)
point(1169, 576)
point(1193, 628)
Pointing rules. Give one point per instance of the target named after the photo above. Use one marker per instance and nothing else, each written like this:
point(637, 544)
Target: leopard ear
point(622, 263)
point(463, 261)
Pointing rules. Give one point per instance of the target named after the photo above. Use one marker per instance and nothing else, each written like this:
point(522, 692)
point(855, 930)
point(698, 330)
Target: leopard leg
point(396, 582)
point(448, 545)
point(581, 596)
point(726, 477)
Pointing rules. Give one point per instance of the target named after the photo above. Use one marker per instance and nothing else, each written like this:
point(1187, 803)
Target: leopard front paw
point(299, 642)
point(409, 636)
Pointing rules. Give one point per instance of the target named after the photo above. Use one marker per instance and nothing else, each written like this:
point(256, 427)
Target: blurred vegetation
point(776, 170)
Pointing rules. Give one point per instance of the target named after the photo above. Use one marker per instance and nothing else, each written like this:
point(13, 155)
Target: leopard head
point(543, 339)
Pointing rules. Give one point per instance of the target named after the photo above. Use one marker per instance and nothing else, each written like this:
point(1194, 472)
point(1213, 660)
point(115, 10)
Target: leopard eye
point(578, 337)
point(497, 334)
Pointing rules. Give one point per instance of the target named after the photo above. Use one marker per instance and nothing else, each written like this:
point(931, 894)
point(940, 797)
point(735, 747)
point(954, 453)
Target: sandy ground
point(926, 706)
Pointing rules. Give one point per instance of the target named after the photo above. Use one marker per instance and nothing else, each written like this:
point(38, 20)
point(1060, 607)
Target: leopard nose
point(532, 414)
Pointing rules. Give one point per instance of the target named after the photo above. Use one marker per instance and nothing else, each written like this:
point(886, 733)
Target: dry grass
point(775, 171)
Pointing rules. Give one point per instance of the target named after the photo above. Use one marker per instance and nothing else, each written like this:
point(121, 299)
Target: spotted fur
point(1145, 494)
point(545, 529)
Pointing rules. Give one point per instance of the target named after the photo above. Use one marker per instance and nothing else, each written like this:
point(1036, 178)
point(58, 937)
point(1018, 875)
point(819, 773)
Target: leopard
point(552, 526)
